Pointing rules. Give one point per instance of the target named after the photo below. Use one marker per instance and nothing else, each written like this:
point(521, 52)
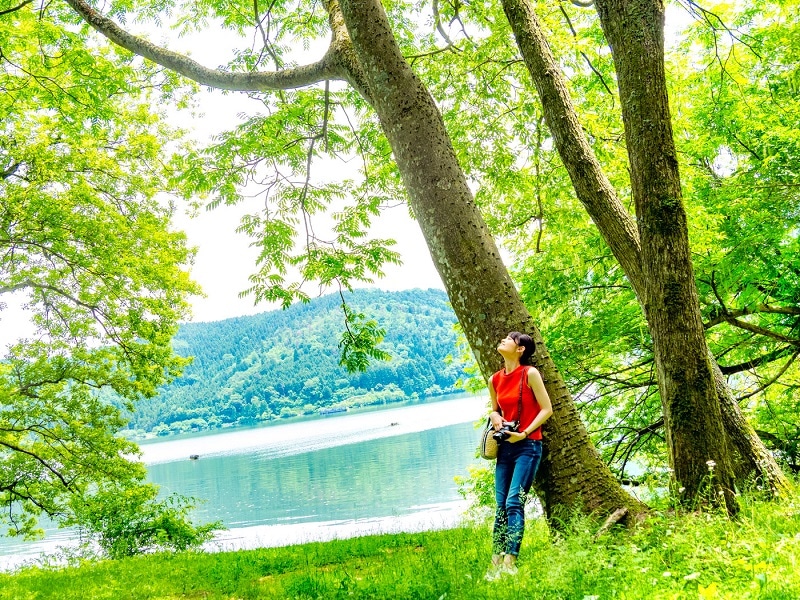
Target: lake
point(333, 477)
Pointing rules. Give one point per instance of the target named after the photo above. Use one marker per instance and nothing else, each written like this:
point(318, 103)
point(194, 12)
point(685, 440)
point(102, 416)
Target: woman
point(519, 455)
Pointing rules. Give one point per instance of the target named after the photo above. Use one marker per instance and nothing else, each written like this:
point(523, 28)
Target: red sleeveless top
point(506, 387)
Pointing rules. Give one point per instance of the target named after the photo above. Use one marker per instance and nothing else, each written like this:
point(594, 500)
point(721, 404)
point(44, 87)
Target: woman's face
point(508, 345)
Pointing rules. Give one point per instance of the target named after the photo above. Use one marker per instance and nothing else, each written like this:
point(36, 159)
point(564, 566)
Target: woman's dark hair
point(524, 340)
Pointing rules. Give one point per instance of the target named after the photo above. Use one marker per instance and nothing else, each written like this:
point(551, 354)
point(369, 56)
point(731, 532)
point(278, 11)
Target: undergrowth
point(701, 555)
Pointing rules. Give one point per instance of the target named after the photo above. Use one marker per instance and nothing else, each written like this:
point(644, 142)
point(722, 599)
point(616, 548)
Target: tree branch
point(762, 331)
point(759, 308)
point(777, 376)
point(16, 8)
point(756, 362)
point(327, 68)
point(583, 54)
point(591, 184)
point(39, 459)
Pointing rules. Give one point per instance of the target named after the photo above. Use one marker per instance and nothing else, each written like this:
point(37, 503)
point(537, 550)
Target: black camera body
point(505, 431)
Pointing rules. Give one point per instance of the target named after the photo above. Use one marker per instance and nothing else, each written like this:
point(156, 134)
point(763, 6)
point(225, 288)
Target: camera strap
point(519, 402)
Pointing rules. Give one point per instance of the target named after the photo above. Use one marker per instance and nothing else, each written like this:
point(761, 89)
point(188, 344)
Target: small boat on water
point(194, 456)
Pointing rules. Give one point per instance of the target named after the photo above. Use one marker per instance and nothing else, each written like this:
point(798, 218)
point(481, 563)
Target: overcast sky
point(224, 259)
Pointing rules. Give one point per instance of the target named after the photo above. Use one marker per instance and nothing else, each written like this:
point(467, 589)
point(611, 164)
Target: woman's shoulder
point(532, 373)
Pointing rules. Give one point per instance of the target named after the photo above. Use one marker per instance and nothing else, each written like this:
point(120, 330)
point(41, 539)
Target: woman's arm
point(542, 397)
point(545, 406)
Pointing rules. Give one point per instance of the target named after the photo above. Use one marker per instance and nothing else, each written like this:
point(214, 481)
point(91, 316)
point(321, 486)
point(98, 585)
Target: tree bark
point(481, 292)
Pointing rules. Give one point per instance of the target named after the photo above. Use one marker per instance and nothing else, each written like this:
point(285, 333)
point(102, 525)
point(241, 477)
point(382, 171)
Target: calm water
point(344, 475)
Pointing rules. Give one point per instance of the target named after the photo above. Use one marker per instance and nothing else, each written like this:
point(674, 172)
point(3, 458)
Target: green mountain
point(284, 363)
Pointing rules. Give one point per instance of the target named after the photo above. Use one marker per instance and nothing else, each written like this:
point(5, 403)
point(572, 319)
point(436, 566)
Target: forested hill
point(284, 363)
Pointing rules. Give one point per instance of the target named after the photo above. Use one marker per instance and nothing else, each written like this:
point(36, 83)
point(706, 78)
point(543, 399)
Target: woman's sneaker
point(509, 570)
point(494, 573)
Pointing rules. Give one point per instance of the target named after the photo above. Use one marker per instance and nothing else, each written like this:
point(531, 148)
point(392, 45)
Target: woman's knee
point(514, 502)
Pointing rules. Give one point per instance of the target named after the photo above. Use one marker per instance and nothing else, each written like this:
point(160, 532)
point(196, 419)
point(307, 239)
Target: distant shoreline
point(303, 418)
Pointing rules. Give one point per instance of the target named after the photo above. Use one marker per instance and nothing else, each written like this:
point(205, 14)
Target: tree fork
point(617, 226)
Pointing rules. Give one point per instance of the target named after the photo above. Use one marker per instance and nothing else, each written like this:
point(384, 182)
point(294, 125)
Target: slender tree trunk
point(692, 415)
point(481, 292)
point(751, 457)
point(752, 460)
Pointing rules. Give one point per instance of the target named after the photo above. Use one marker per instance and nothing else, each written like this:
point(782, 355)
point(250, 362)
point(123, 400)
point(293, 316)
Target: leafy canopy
point(85, 241)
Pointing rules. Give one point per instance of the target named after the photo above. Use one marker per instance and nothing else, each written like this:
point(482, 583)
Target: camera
point(504, 432)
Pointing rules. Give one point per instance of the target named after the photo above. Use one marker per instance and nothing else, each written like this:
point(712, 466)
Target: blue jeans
point(513, 477)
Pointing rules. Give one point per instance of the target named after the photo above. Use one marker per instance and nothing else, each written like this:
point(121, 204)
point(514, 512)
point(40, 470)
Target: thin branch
point(759, 308)
point(438, 22)
point(16, 8)
point(265, 34)
point(763, 331)
point(38, 459)
point(756, 362)
point(777, 376)
point(583, 54)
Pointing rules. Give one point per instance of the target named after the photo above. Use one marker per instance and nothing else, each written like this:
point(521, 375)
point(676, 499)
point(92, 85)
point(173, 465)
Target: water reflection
point(382, 477)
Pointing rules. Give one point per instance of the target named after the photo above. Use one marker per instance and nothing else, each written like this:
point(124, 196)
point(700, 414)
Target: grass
point(698, 556)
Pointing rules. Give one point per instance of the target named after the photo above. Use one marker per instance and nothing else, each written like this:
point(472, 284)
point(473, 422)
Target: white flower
point(666, 574)
point(691, 576)
point(711, 464)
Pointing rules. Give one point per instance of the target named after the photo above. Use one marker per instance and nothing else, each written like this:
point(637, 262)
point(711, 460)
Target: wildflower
point(681, 490)
point(691, 576)
point(666, 574)
point(711, 464)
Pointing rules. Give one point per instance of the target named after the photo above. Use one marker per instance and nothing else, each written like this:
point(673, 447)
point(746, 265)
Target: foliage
point(286, 363)
point(703, 555)
point(126, 521)
point(745, 261)
point(358, 342)
point(734, 96)
point(86, 246)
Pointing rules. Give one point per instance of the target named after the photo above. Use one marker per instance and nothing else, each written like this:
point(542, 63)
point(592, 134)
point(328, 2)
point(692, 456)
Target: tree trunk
point(751, 458)
point(696, 439)
point(481, 292)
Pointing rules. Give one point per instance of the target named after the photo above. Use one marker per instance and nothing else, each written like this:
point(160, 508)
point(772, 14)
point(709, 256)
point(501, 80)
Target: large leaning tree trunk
point(751, 459)
point(480, 289)
point(364, 52)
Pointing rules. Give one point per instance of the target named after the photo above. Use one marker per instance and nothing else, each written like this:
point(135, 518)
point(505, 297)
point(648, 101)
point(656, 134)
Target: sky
point(224, 259)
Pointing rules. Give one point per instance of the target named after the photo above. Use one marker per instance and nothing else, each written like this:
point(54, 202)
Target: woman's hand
point(497, 420)
point(515, 436)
